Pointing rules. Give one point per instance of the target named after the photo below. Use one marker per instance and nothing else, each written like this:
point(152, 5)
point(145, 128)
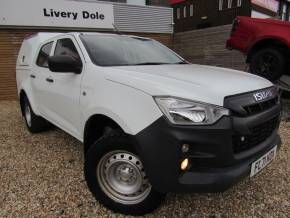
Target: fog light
point(185, 148)
point(184, 164)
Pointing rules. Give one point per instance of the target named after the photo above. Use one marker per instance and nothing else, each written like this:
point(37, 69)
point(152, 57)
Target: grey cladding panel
point(131, 18)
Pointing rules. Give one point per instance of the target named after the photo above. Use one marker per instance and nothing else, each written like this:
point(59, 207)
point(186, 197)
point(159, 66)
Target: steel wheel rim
point(27, 112)
point(122, 178)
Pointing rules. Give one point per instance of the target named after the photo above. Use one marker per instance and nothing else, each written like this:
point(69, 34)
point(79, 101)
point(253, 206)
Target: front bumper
point(214, 165)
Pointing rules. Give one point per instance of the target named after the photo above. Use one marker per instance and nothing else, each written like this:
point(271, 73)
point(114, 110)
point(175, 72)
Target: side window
point(42, 59)
point(66, 47)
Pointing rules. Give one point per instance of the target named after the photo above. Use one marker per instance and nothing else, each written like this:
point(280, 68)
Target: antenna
point(116, 29)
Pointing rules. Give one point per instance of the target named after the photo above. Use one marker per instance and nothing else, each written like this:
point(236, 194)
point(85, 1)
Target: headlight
point(185, 112)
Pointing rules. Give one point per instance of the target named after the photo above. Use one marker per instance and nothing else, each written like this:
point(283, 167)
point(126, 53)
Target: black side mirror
point(64, 64)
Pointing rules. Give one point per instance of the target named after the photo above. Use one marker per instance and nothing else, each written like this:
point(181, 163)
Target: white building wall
point(257, 14)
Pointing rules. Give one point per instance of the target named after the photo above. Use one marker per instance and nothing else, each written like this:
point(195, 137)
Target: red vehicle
point(266, 43)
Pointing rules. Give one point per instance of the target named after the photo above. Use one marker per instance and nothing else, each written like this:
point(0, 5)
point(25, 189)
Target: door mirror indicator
point(64, 64)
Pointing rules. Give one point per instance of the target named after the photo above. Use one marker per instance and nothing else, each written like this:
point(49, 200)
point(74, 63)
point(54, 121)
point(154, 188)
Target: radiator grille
point(259, 134)
point(260, 107)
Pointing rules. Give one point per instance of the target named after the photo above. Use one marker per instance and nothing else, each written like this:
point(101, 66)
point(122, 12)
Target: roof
point(42, 36)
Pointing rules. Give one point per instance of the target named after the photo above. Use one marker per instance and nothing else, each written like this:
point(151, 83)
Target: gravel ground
point(42, 176)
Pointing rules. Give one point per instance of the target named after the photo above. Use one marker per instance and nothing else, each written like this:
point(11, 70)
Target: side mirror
point(64, 64)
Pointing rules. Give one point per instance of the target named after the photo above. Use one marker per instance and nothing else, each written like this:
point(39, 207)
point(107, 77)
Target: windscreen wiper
point(151, 63)
point(182, 62)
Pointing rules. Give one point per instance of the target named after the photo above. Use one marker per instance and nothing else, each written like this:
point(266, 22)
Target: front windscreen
point(120, 50)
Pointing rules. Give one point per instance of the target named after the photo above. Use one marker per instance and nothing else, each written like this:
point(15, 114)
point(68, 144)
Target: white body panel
point(124, 94)
point(25, 65)
point(132, 109)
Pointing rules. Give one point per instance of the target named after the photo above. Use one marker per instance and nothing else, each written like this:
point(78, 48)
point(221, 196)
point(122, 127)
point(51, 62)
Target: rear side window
point(42, 59)
point(66, 47)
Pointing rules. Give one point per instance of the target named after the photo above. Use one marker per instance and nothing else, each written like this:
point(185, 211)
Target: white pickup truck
point(151, 123)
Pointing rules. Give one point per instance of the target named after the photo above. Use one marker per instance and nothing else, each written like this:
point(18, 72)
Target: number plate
point(263, 161)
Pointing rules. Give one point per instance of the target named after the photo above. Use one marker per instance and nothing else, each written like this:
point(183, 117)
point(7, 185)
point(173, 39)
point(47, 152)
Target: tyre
point(116, 177)
point(34, 123)
point(268, 63)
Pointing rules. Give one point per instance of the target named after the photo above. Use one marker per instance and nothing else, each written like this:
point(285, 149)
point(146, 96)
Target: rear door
point(39, 75)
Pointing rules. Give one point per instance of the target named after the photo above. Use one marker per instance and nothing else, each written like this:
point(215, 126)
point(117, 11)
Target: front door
point(63, 107)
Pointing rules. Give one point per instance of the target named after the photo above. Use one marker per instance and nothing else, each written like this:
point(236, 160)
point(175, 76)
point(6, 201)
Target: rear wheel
point(27, 114)
point(33, 122)
point(116, 176)
point(268, 63)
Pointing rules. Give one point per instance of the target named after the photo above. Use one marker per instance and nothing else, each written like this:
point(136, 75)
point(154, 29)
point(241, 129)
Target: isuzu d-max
point(151, 122)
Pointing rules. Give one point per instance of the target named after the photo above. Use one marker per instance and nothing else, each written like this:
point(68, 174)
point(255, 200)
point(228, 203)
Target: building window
point(284, 10)
point(239, 3)
point(178, 13)
point(230, 3)
point(221, 2)
point(191, 10)
point(184, 11)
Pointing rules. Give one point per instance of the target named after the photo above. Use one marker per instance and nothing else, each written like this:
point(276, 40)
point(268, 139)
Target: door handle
point(32, 76)
point(49, 80)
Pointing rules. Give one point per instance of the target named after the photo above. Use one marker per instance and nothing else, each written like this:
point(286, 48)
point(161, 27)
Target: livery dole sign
point(56, 13)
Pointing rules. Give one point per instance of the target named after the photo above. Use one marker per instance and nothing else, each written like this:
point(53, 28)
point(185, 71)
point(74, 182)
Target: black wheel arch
point(96, 126)
point(268, 42)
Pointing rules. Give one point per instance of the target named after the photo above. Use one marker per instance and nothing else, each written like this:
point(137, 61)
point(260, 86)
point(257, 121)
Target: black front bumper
point(214, 164)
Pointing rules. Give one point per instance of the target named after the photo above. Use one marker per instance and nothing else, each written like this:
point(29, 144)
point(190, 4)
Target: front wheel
point(268, 63)
point(117, 178)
